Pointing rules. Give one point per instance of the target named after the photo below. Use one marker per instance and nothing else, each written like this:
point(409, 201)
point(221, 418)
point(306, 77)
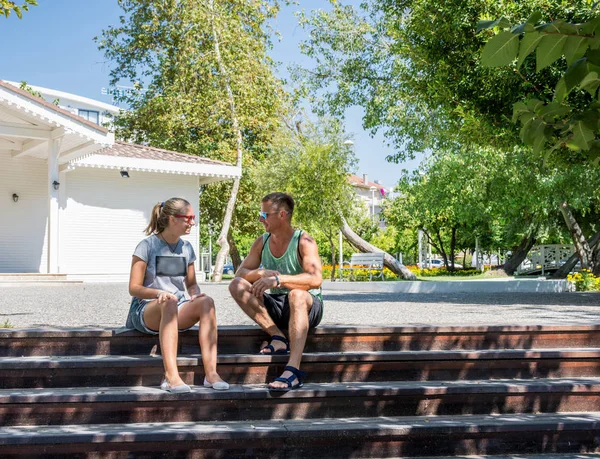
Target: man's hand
point(268, 273)
point(263, 284)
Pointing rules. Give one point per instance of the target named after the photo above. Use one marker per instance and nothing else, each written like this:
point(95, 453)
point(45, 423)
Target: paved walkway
point(106, 305)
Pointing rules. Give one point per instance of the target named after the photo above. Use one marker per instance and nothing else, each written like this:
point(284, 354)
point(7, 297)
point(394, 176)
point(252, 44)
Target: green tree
point(313, 166)
point(508, 200)
point(204, 86)
point(557, 122)
point(414, 66)
point(8, 6)
point(564, 123)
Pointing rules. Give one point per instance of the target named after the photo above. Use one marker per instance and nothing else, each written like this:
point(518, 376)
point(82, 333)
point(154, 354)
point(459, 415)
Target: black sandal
point(278, 351)
point(296, 374)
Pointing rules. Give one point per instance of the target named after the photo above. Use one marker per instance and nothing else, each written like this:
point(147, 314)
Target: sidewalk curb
point(509, 286)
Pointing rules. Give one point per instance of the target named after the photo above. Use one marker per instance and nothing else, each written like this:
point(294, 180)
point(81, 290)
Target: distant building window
point(90, 115)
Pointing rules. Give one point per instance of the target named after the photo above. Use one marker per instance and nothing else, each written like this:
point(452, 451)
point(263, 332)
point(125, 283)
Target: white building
point(66, 202)
point(371, 193)
point(92, 110)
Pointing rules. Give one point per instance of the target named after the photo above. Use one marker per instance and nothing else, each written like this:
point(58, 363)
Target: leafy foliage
point(8, 6)
point(584, 281)
point(313, 167)
point(415, 67)
point(166, 50)
point(564, 122)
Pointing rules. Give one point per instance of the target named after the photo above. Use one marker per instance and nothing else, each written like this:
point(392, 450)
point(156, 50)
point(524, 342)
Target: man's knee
point(238, 286)
point(299, 299)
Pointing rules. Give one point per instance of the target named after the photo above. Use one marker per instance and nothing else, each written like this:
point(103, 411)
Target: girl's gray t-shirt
point(166, 264)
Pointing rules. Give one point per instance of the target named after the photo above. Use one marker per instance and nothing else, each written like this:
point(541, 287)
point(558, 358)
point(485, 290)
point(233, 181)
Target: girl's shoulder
point(188, 245)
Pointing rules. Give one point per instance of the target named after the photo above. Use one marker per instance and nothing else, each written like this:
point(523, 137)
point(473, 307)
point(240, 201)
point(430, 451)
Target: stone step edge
point(249, 330)
point(515, 387)
point(514, 456)
point(343, 428)
point(45, 362)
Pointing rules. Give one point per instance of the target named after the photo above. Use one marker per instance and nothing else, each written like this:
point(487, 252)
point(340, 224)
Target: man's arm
point(309, 279)
point(312, 277)
point(249, 269)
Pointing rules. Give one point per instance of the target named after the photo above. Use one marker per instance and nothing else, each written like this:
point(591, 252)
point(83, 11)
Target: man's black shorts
point(278, 307)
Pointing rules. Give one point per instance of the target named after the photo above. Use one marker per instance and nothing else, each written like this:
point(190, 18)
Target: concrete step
point(520, 456)
point(27, 278)
point(327, 437)
point(244, 339)
point(105, 370)
point(101, 405)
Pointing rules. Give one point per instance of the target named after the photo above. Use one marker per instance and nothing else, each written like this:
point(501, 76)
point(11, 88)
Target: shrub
point(584, 281)
point(359, 274)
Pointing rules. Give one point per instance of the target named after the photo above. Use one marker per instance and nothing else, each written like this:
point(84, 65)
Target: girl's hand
point(198, 295)
point(165, 296)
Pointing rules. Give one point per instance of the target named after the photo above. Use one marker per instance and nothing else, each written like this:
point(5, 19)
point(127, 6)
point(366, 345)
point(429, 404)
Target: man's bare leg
point(241, 291)
point(300, 305)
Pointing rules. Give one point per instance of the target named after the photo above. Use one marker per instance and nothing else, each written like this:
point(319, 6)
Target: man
point(291, 269)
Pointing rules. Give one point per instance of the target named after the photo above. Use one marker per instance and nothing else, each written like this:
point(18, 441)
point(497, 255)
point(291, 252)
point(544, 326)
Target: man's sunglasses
point(189, 218)
point(264, 215)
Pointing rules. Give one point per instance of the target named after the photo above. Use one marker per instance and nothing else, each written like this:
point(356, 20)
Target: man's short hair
point(280, 201)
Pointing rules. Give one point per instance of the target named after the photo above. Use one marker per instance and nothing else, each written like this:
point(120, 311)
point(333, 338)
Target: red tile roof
point(130, 150)
point(358, 181)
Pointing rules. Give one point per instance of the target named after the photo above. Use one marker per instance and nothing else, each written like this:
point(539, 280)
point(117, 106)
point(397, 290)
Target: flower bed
point(584, 281)
point(363, 274)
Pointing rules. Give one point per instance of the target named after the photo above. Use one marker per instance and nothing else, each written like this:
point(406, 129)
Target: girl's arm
point(136, 281)
point(190, 283)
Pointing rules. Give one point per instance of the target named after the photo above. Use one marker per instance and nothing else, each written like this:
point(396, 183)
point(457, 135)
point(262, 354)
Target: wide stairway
point(370, 392)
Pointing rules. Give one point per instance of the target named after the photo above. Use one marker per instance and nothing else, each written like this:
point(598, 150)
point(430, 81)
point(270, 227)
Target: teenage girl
point(162, 271)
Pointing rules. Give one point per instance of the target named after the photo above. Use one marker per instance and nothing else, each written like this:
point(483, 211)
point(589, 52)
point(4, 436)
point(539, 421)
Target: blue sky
point(53, 47)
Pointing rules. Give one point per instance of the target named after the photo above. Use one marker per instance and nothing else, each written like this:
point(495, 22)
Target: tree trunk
point(596, 259)
point(362, 245)
point(222, 239)
point(519, 255)
point(582, 248)
point(233, 251)
point(564, 270)
point(442, 250)
point(452, 248)
point(332, 246)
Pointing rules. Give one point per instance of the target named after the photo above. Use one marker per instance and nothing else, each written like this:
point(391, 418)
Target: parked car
point(437, 263)
point(228, 269)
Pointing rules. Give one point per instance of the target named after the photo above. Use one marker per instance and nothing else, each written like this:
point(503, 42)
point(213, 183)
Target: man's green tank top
point(288, 263)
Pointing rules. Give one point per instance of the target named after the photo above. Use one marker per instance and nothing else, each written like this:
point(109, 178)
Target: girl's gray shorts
point(135, 318)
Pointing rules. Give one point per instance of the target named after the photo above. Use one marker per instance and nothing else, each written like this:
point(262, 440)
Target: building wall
point(74, 103)
point(75, 107)
point(365, 195)
point(105, 216)
point(23, 224)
